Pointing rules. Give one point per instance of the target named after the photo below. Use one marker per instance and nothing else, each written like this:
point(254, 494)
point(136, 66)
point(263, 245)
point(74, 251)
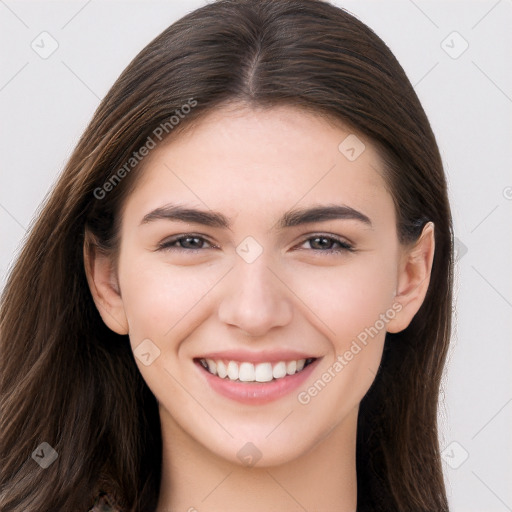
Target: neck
point(196, 480)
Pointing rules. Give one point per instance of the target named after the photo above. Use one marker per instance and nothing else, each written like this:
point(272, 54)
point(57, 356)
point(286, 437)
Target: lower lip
point(256, 393)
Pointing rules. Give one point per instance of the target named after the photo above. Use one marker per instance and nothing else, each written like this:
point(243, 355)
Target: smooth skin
point(197, 296)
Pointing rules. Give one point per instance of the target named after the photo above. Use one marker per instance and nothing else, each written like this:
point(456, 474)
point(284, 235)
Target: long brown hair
point(71, 382)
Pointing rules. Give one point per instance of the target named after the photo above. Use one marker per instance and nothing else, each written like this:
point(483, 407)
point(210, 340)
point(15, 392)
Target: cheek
point(354, 304)
point(157, 296)
point(348, 299)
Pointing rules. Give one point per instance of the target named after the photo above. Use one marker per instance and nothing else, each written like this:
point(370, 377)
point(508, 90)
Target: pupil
point(187, 240)
point(325, 244)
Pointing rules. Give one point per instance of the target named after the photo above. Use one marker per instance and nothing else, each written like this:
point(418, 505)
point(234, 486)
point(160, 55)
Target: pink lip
point(256, 357)
point(256, 393)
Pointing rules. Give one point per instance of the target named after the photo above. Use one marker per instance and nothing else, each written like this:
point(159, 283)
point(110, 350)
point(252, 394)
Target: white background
point(46, 103)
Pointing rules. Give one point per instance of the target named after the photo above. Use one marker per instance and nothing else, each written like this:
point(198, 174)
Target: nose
point(255, 300)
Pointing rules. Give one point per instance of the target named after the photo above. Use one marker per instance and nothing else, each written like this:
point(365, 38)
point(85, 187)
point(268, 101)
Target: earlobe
point(413, 278)
point(104, 287)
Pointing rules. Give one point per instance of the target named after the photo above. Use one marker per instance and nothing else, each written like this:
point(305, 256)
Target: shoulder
point(104, 503)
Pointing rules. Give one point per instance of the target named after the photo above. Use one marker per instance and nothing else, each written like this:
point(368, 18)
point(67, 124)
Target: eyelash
point(343, 245)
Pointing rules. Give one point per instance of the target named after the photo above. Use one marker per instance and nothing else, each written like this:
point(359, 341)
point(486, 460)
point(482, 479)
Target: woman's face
point(222, 270)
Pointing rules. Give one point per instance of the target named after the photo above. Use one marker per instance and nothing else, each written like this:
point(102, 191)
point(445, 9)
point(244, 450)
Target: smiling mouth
point(248, 372)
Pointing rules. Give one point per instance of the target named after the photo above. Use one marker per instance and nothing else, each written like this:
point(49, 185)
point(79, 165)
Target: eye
point(188, 243)
point(324, 244)
point(194, 243)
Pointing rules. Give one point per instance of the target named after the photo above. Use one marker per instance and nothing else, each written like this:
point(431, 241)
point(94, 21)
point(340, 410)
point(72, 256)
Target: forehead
point(262, 161)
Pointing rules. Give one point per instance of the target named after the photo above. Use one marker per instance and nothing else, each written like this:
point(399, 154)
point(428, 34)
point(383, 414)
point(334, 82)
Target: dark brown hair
point(69, 381)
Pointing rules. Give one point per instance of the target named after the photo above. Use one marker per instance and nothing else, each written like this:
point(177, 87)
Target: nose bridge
point(255, 300)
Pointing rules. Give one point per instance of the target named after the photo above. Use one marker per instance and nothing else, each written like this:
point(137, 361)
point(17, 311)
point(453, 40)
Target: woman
point(238, 296)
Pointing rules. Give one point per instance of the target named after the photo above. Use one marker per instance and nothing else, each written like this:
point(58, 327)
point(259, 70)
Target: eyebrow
point(292, 218)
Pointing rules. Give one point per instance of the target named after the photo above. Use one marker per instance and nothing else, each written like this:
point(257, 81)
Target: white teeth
point(291, 367)
point(263, 372)
point(221, 370)
point(232, 370)
point(212, 366)
point(279, 370)
point(248, 372)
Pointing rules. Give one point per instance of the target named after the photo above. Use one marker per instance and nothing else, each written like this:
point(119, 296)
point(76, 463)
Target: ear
point(104, 286)
point(413, 279)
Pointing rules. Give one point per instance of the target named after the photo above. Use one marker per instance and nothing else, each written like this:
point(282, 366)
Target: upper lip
point(270, 356)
